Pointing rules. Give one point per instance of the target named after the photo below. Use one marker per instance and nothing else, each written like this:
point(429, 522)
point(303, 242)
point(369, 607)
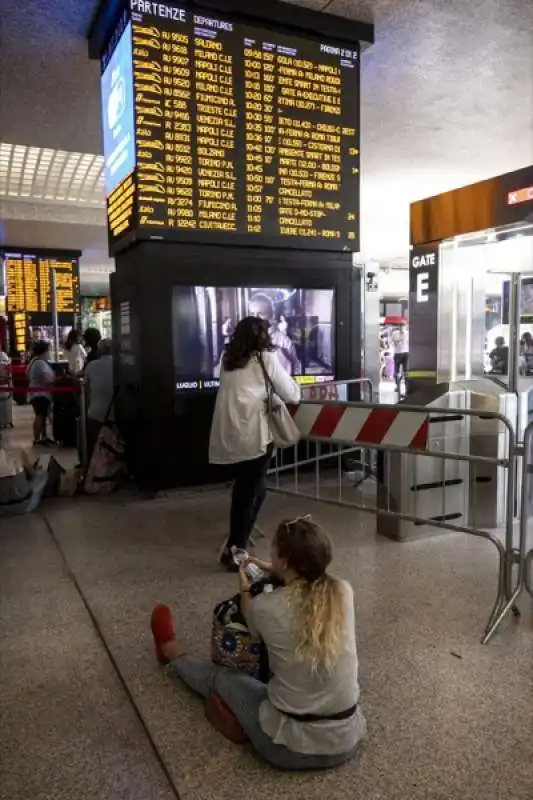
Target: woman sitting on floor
point(21, 483)
point(308, 715)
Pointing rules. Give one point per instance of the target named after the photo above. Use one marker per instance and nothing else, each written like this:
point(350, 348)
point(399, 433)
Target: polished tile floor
point(449, 719)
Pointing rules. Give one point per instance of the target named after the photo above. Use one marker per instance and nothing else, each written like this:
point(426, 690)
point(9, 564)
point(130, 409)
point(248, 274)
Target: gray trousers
point(243, 695)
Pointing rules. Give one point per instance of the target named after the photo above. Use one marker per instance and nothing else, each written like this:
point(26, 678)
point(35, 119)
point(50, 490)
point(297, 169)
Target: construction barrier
point(337, 435)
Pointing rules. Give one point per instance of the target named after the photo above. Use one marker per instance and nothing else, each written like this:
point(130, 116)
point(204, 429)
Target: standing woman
point(75, 353)
point(100, 390)
point(240, 434)
point(41, 376)
point(91, 338)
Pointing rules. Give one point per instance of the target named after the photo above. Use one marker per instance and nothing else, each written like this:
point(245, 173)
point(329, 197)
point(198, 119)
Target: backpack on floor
point(107, 468)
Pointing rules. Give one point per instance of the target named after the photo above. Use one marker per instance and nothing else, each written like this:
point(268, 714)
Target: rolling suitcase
point(65, 412)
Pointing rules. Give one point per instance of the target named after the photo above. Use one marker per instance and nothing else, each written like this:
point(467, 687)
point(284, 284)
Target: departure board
point(29, 283)
point(242, 134)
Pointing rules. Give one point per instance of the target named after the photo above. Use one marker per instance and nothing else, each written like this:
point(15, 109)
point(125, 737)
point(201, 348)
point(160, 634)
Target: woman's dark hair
point(251, 338)
point(40, 348)
point(92, 336)
point(74, 337)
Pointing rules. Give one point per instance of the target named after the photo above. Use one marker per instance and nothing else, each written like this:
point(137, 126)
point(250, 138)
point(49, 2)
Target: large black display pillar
point(232, 157)
point(168, 430)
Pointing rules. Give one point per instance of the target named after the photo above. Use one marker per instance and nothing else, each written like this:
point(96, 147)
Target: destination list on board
point(240, 131)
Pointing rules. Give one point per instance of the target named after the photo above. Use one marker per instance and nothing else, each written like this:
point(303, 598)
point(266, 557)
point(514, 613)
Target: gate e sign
point(422, 263)
point(423, 310)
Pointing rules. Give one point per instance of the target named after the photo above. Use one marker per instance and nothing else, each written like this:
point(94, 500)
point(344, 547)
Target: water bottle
point(251, 570)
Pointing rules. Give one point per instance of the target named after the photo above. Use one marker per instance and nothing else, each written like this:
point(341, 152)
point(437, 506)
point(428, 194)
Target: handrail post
point(83, 425)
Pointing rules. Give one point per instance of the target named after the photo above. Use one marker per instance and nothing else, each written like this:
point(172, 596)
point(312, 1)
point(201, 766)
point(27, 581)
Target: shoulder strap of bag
point(268, 380)
point(111, 404)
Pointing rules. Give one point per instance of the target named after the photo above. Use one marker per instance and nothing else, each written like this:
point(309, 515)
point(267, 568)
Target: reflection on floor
point(448, 718)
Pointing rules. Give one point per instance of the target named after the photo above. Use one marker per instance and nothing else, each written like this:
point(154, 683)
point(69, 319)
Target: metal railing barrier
point(519, 556)
point(391, 442)
point(83, 448)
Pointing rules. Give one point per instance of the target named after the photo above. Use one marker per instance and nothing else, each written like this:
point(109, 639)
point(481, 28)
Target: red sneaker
point(162, 629)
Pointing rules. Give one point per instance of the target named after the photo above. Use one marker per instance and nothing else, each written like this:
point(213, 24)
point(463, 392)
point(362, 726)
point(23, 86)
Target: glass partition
point(474, 303)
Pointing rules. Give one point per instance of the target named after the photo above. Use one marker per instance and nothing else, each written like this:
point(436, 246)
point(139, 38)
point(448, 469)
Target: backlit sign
point(520, 196)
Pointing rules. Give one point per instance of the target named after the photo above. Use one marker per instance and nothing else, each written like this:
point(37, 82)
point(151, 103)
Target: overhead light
point(51, 174)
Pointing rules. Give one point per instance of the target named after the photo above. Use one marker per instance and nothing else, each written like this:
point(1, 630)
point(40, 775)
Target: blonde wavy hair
point(316, 597)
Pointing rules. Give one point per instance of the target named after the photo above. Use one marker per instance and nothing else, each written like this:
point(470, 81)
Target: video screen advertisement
point(204, 318)
point(220, 131)
point(118, 117)
point(118, 121)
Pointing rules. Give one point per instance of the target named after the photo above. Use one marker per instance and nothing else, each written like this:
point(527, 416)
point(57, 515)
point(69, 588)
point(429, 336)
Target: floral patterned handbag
point(232, 644)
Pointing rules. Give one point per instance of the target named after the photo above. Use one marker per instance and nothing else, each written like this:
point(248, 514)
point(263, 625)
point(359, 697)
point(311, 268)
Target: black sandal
point(226, 559)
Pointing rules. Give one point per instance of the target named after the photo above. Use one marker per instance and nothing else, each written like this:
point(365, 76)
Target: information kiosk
point(232, 153)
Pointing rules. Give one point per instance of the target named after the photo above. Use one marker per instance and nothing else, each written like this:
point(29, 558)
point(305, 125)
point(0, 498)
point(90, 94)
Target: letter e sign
point(422, 287)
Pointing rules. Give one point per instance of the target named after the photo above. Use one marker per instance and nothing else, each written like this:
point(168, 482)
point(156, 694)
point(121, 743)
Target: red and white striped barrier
point(346, 424)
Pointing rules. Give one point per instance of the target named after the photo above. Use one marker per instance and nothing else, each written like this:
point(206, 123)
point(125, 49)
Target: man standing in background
point(400, 343)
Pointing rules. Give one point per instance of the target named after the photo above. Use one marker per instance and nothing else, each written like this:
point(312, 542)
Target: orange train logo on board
point(520, 196)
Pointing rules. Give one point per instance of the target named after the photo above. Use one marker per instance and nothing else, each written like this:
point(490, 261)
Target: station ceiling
point(447, 99)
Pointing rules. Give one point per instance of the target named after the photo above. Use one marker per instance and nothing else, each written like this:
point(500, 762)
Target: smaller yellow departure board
point(29, 283)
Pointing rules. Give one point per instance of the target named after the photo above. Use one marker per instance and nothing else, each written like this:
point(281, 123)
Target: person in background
point(100, 389)
point(6, 398)
point(41, 376)
point(227, 330)
point(400, 343)
point(261, 306)
point(240, 434)
point(92, 337)
point(527, 342)
point(499, 357)
point(21, 483)
point(75, 353)
point(526, 354)
point(308, 716)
